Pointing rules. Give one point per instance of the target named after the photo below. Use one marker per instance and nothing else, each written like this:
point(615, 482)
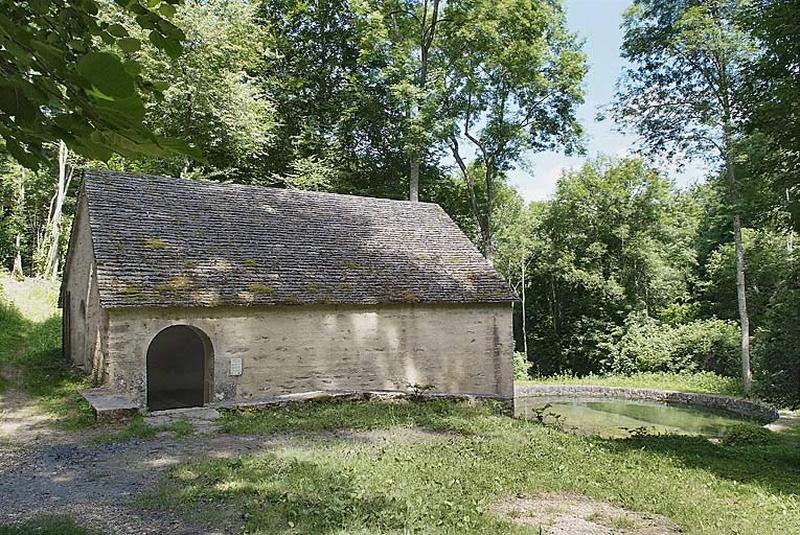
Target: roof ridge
point(88, 172)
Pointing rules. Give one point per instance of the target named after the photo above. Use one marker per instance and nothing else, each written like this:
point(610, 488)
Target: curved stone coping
point(743, 407)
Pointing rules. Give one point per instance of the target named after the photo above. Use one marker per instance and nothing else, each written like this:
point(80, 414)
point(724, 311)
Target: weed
point(155, 243)
point(261, 289)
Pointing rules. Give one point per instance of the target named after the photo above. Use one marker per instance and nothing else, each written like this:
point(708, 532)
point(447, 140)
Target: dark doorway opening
point(179, 365)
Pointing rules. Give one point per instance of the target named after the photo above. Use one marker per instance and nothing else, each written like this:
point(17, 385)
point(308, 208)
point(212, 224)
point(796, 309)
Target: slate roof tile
point(169, 242)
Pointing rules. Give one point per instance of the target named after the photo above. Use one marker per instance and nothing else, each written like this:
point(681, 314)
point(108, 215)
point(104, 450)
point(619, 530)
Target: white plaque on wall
point(236, 366)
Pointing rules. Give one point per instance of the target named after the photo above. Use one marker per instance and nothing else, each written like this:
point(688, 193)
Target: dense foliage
point(63, 78)
point(618, 272)
point(626, 274)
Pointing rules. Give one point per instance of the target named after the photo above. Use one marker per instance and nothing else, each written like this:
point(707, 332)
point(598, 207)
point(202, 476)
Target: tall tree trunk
point(483, 222)
point(790, 234)
point(17, 269)
point(51, 265)
point(413, 194)
point(725, 100)
point(427, 34)
point(741, 295)
point(524, 328)
point(741, 288)
point(488, 236)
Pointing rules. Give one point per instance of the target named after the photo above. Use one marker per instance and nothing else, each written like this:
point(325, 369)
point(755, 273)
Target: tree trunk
point(488, 240)
point(17, 272)
point(413, 194)
point(741, 288)
point(51, 265)
point(790, 234)
point(427, 34)
point(741, 295)
point(483, 222)
point(524, 329)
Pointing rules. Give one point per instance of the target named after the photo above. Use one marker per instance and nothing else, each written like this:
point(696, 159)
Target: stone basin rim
point(743, 407)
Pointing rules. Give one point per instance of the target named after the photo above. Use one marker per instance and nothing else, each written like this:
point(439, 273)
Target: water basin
point(616, 418)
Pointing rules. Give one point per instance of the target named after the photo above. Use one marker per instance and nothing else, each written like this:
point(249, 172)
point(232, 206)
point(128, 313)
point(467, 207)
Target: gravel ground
point(45, 471)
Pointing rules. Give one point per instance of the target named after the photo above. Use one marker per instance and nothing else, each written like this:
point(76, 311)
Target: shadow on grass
point(772, 463)
point(278, 495)
point(32, 361)
point(45, 525)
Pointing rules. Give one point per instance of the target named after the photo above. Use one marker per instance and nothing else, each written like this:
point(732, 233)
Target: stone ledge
point(742, 407)
point(352, 395)
point(109, 406)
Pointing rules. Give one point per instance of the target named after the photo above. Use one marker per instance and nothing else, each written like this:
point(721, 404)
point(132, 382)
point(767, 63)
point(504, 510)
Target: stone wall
point(88, 321)
point(743, 407)
point(461, 349)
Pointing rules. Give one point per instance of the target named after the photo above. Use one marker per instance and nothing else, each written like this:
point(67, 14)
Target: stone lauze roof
point(163, 242)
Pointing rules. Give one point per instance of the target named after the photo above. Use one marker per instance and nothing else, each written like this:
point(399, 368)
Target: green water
point(614, 418)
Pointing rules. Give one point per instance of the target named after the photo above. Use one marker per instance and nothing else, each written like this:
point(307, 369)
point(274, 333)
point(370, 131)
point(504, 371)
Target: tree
point(411, 30)
point(212, 98)
point(28, 206)
point(682, 94)
point(60, 78)
point(517, 240)
point(773, 100)
point(614, 244)
point(340, 123)
point(63, 180)
point(515, 90)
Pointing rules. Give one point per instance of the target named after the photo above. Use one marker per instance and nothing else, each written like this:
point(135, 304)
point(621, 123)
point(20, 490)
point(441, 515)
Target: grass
point(329, 416)
point(396, 480)
point(139, 428)
point(30, 352)
point(45, 525)
point(700, 382)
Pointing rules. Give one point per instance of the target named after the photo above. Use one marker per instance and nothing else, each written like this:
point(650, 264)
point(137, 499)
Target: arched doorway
point(179, 368)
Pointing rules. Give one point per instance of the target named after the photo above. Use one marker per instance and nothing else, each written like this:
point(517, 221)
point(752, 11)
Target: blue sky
point(597, 22)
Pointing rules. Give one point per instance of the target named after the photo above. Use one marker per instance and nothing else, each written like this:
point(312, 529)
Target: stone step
point(110, 406)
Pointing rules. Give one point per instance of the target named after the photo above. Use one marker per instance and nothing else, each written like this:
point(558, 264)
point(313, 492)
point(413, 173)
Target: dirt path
point(97, 483)
point(21, 420)
point(47, 471)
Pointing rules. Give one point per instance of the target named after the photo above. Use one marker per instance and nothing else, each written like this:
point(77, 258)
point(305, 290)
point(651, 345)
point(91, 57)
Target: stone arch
point(180, 368)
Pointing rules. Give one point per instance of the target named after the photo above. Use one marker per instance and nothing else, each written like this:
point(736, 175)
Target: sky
point(597, 22)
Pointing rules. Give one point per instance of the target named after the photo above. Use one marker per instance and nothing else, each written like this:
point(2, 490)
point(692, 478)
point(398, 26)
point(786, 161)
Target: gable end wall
point(88, 322)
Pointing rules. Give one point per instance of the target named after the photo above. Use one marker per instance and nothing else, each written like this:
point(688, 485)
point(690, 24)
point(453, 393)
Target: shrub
point(651, 346)
point(747, 435)
point(521, 366)
point(777, 351)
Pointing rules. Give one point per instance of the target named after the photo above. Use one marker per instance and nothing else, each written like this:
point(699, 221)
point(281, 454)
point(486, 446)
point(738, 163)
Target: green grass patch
point(46, 525)
point(30, 352)
point(392, 482)
point(700, 382)
point(433, 415)
point(139, 428)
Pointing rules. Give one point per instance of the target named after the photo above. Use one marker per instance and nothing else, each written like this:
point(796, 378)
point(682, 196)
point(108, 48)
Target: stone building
point(185, 292)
